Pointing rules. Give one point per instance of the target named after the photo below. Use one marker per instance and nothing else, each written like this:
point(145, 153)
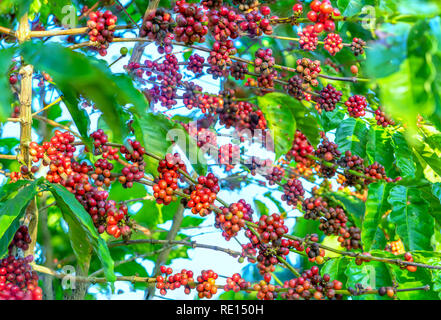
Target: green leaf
point(261, 207)
point(194, 154)
point(284, 114)
point(331, 120)
point(56, 8)
point(231, 295)
point(7, 144)
point(187, 54)
point(161, 140)
point(156, 139)
point(77, 75)
point(12, 210)
point(352, 135)
point(191, 222)
point(415, 225)
point(342, 5)
point(169, 211)
point(129, 269)
point(419, 278)
point(9, 188)
point(413, 84)
point(431, 258)
point(436, 190)
point(6, 97)
point(373, 274)
point(350, 8)
point(280, 120)
point(403, 154)
point(427, 150)
point(81, 246)
point(384, 58)
point(149, 215)
point(118, 193)
point(307, 123)
point(23, 7)
point(82, 231)
point(8, 235)
point(355, 208)
point(303, 227)
point(275, 201)
point(336, 268)
point(376, 207)
point(379, 148)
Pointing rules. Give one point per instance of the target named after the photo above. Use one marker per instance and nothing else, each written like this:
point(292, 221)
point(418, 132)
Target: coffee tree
point(121, 116)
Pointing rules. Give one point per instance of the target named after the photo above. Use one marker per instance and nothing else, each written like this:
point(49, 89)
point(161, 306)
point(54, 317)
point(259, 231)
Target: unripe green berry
point(124, 51)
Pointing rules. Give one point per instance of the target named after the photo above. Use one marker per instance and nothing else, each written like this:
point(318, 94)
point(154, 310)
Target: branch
point(138, 256)
point(85, 279)
point(149, 281)
point(56, 125)
point(127, 14)
point(288, 266)
point(356, 255)
point(192, 244)
point(48, 106)
point(162, 257)
point(251, 226)
point(239, 59)
point(138, 50)
point(8, 157)
point(47, 249)
point(70, 32)
point(7, 31)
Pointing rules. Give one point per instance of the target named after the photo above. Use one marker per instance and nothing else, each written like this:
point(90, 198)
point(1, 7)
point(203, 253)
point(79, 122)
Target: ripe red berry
point(326, 8)
point(265, 10)
point(333, 43)
point(329, 25)
point(297, 8)
point(354, 69)
point(315, 5)
point(13, 79)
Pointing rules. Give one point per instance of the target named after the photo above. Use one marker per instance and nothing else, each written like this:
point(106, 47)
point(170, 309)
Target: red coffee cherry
point(333, 43)
point(328, 99)
point(206, 284)
point(158, 26)
point(357, 46)
point(356, 106)
point(101, 29)
point(191, 23)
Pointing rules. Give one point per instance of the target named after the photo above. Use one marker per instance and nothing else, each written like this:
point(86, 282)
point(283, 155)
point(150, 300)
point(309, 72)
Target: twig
point(8, 157)
point(127, 14)
point(48, 106)
point(56, 124)
point(69, 32)
point(150, 281)
point(192, 244)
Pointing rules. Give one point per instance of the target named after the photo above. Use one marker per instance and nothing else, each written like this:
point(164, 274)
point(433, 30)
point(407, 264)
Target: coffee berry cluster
point(232, 219)
point(17, 280)
point(158, 26)
point(311, 285)
point(101, 29)
point(167, 281)
point(169, 170)
point(203, 194)
point(86, 181)
point(192, 23)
